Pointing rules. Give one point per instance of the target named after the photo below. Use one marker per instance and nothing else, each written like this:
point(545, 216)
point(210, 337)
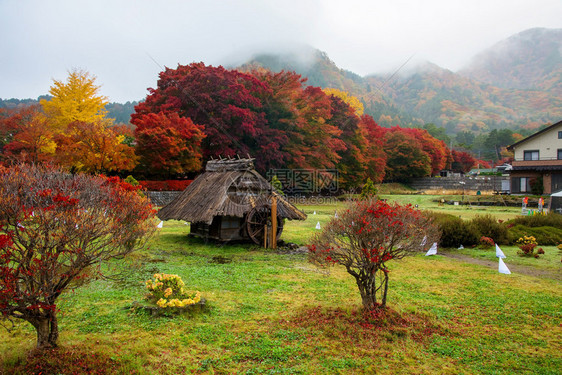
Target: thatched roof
point(227, 188)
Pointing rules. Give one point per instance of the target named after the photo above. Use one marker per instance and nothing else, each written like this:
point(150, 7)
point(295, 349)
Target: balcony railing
point(540, 159)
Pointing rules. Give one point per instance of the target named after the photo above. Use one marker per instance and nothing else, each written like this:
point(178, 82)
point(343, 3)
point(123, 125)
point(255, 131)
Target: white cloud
point(115, 40)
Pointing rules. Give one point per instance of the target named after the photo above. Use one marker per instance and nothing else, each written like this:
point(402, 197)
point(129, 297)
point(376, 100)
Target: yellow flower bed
point(527, 240)
point(169, 291)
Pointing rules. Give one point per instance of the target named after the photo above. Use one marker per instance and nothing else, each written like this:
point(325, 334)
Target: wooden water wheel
point(258, 220)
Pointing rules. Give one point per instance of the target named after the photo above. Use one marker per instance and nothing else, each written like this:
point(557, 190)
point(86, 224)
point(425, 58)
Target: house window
point(531, 155)
point(560, 134)
point(524, 184)
point(560, 154)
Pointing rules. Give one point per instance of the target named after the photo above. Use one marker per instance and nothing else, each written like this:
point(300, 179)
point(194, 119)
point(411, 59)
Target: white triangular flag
point(314, 213)
point(423, 241)
point(160, 225)
point(432, 250)
point(502, 268)
point(186, 223)
point(318, 225)
point(336, 215)
point(499, 252)
point(461, 247)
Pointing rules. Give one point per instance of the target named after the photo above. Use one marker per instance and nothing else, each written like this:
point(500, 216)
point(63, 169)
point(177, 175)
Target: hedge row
point(547, 229)
point(167, 185)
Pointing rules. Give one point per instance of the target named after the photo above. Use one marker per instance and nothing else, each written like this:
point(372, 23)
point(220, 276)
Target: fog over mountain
point(517, 82)
point(528, 60)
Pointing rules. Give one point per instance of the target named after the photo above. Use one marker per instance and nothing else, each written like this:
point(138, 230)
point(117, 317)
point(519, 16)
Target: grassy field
point(272, 313)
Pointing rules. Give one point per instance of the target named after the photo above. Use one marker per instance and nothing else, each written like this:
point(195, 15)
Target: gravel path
point(514, 268)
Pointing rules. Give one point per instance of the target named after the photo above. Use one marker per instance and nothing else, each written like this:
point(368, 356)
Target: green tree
point(437, 132)
point(369, 190)
point(465, 139)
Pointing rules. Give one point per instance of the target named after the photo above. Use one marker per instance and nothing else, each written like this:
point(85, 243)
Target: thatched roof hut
point(229, 202)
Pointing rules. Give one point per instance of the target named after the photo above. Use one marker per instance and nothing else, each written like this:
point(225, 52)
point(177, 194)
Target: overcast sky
point(124, 43)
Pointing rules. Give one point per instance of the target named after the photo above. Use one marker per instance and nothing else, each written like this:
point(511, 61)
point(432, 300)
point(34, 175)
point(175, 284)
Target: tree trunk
point(368, 289)
point(369, 301)
point(47, 330)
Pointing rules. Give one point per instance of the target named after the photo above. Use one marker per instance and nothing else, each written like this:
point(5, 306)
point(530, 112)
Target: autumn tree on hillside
point(56, 229)
point(298, 132)
point(168, 144)
point(270, 115)
point(375, 156)
point(353, 163)
point(351, 100)
point(405, 157)
point(224, 101)
point(462, 161)
point(436, 149)
point(77, 99)
point(316, 141)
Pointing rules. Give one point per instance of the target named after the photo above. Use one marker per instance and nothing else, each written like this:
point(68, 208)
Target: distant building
point(538, 161)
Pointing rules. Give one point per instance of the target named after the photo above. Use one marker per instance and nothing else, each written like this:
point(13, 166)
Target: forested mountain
point(529, 60)
point(518, 82)
point(121, 113)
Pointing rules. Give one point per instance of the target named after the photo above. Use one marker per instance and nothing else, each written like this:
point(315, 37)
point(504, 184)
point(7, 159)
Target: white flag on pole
point(336, 215)
point(432, 250)
point(423, 241)
point(499, 252)
point(160, 225)
point(461, 247)
point(318, 225)
point(314, 213)
point(502, 268)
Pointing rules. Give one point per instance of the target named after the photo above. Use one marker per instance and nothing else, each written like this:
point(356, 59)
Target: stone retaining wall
point(483, 184)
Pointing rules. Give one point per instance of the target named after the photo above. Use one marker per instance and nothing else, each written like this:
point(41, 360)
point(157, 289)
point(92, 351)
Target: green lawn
point(274, 313)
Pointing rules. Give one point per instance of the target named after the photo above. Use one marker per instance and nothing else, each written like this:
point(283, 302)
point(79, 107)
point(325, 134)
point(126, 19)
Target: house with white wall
point(538, 161)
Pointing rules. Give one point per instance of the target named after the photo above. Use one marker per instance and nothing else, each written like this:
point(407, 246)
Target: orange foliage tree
point(406, 158)
point(28, 137)
point(95, 147)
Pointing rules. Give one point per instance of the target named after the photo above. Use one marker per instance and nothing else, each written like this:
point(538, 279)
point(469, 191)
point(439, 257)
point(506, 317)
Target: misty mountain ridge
point(517, 82)
point(528, 60)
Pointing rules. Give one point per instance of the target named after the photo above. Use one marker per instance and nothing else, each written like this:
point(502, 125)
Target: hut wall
point(223, 228)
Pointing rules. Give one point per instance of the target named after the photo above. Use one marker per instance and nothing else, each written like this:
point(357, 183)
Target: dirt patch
point(514, 268)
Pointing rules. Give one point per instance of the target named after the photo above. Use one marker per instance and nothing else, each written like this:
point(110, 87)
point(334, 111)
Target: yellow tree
point(351, 100)
point(77, 99)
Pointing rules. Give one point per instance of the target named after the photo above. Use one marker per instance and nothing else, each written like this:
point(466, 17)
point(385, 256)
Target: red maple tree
point(365, 237)
point(55, 230)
